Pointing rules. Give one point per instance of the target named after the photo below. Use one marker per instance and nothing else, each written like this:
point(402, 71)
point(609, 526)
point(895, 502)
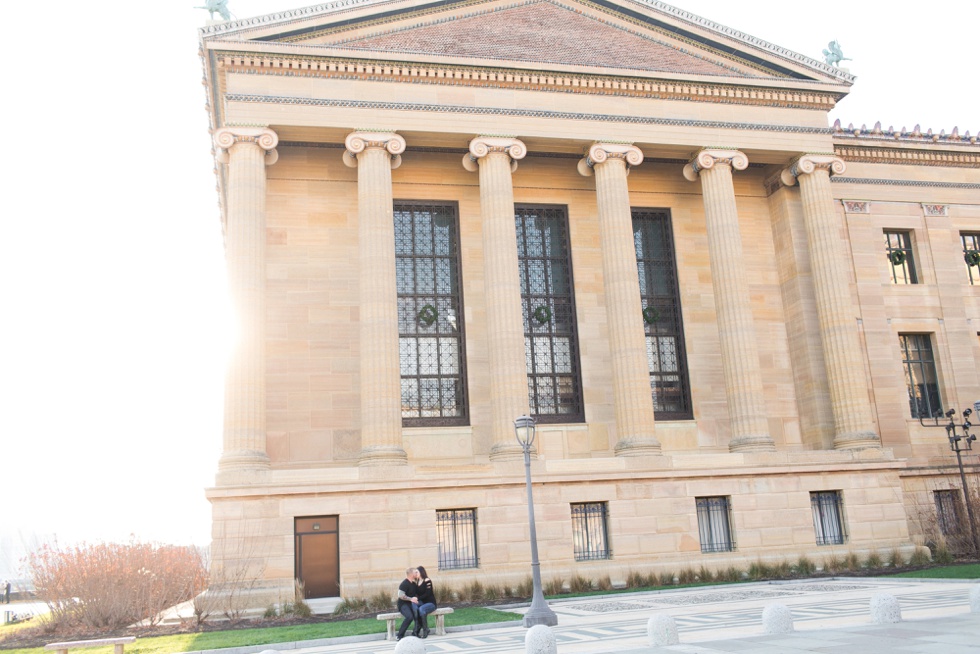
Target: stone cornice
point(933, 156)
point(524, 113)
point(737, 92)
point(903, 136)
point(341, 7)
point(708, 158)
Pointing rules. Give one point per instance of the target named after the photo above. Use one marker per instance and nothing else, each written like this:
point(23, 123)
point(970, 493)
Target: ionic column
point(496, 159)
point(375, 154)
point(627, 340)
point(246, 151)
point(739, 353)
point(853, 425)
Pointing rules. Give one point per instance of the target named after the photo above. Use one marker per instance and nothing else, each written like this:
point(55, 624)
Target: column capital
point(481, 146)
point(265, 138)
point(706, 159)
point(358, 142)
point(601, 152)
point(808, 163)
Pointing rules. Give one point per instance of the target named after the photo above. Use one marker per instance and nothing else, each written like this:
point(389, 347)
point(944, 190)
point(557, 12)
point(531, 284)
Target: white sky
point(112, 285)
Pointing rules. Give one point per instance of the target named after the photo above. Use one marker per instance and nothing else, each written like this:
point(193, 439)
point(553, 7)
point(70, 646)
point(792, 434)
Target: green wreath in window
point(972, 258)
point(428, 315)
point(650, 315)
point(897, 257)
point(542, 314)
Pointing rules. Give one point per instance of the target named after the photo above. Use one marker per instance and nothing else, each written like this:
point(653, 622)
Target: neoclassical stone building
point(729, 320)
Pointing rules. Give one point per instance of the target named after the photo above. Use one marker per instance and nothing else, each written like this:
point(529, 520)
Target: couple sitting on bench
point(416, 600)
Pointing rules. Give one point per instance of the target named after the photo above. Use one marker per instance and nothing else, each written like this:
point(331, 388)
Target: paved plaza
point(830, 616)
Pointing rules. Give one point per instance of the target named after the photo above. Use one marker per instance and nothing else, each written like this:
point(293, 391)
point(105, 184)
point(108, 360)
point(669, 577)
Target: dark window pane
point(920, 375)
point(550, 331)
point(898, 249)
point(590, 538)
point(456, 539)
point(429, 315)
point(714, 524)
point(660, 298)
point(828, 523)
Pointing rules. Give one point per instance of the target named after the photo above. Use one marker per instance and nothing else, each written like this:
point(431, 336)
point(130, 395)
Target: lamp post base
point(539, 612)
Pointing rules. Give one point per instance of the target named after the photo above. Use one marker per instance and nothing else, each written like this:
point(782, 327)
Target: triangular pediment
point(643, 36)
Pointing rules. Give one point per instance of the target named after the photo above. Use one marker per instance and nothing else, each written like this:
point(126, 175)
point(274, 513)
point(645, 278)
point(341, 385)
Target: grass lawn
point(968, 571)
point(268, 635)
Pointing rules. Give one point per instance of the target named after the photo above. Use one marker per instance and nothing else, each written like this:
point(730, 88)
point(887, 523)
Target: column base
point(243, 460)
point(757, 443)
point(508, 452)
point(382, 456)
point(857, 440)
point(629, 447)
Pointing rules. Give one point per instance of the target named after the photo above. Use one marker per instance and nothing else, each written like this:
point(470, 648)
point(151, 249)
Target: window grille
point(456, 536)
point(714, 524)
point(660, 297)
point(920, 375)
point(590, 536)
point(901, 262)
point(971, 246)
point(430, 315)
point(550, 332)
point(948, 511)
point(828, 522)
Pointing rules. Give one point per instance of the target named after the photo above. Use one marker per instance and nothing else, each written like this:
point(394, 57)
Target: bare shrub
point(805, 567)
point(555, 586)
point(579, 584)
point(113, 585)
point(382, 602)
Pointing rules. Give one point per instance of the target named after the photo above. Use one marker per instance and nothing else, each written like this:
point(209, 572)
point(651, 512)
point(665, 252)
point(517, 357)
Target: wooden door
point(318, 556)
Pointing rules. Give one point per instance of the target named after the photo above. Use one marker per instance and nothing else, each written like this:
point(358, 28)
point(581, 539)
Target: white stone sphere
point(540, 640)
point(975, 599)
point(662, 631)
point(777, 619)
point(885, 609)
point(410, 645)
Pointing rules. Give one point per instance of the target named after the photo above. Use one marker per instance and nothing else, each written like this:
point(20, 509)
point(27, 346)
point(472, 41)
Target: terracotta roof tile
point(546, 33)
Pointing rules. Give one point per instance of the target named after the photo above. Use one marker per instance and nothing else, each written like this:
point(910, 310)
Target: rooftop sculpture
point(833, 55)
point(219, 6)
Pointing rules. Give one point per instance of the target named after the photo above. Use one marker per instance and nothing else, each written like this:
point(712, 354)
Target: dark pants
point(410, 612)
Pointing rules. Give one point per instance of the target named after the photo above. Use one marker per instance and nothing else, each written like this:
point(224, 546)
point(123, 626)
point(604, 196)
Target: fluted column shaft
point(632, 396)
point(246, 151)
point(374, 155)
point(497, 159)
point(853, 425)
point(740, 356)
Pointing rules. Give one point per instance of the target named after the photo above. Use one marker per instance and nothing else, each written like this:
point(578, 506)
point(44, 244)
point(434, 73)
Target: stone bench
point(117, 644)
point(392, 618)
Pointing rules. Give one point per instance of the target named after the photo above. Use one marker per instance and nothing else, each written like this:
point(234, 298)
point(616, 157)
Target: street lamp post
point(539, 611)
point(958, 444)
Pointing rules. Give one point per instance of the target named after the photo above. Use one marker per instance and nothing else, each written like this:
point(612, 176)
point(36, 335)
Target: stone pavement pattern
point(830, 616)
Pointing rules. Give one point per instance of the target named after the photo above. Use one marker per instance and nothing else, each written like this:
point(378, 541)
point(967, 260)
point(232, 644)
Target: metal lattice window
point(550, 334)
point(898, 249)
point(948, 511)
point(456, 536)
point(660, 297)
point(430, 323)
point(920, 375)
point(971, 245)
point(715, 524)
point(828, 517)
point(590, 536)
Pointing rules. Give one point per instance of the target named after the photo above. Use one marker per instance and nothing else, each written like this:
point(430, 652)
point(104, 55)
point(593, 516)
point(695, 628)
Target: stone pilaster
point(496, 159)
point(246, 151)
point(375, 154)
point(610, 162)
point(853, 425)
point(739, 352)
